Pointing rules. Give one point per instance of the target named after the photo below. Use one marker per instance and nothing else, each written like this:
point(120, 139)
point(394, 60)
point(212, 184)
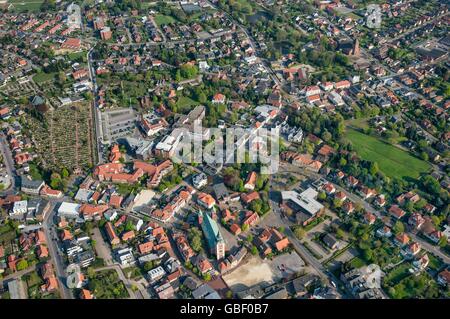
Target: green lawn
point(161, 19)
point(357, 262)
point(434, 263)
point(398, 274)
point(76, 55)
point(26, 5)
point(422, 286)
point(43, 77)
point(185, 104)
point(391, 160)
point(361, 123)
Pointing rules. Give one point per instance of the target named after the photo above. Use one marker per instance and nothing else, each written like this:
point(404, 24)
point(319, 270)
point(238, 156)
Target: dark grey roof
point(330, 240)
point(301, 284)
point(280, 294)
point(37, 100)
point(27, 183)
point(191, 283)
point(202, 291)
point(220, 190)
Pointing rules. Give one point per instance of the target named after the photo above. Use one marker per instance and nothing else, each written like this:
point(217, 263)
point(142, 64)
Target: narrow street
point(9, 164)
point(56, 256)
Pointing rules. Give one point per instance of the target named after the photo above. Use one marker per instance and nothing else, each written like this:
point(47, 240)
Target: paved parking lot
point(101, 247)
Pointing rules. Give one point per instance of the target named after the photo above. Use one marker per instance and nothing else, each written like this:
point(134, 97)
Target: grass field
point(76, 55)
point(435, 263)
point(361, 123)
point(26, 5)
point(161, 19)
point(43, 77)
point(185, 104)
point(391, 160)
point(398, 273)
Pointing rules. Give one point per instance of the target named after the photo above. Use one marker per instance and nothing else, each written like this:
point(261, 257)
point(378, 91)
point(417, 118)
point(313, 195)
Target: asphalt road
point(97, 113)
point(9, 164)
point(56, 256)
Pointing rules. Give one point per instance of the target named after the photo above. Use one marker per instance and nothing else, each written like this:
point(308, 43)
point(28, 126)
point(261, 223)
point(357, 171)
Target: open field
point(42, 77)
point(26, 5)
point(185, 104)
point(392, 161)
point(161, 19)
point(361, 123)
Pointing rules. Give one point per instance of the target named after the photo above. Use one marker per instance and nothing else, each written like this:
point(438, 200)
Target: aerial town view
point(224, 149)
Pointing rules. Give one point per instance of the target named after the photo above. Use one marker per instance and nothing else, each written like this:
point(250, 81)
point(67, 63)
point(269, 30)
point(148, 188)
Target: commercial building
point(304, 204)
point(69, 210)
point(16, 289)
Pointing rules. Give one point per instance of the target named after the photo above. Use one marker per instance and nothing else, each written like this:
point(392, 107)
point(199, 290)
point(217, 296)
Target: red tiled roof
point(282, 244)
point(235, 229)
point(128, 235)
point(248, 198)
point(402, 238)
point(146, 247)
point(115, 201)
point(86, 294)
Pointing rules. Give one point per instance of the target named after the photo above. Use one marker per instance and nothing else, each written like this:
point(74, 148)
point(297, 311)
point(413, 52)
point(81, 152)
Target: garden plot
point(64, 138)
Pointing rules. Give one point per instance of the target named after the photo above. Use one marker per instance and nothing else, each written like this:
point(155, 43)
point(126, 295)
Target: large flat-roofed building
point(16, 289)
point(139, 147)
point(74, 16)
point(169, 144)
point(69, 210)
point(189, 121)
point(117, 123)
point(20, 208)
point(304, 204)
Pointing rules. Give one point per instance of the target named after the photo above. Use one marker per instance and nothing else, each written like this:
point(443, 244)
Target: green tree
point(340, 233)
point(424, 156)
point(368, 254)
point(64, 173)
point(148, 265)
point(202, 98)
point(322, 195)
point(207, 276)
point(256, 205)
point(22, 264)
point(443, 241)
point(299, 232)
point(398, 227)
point(373, 168)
